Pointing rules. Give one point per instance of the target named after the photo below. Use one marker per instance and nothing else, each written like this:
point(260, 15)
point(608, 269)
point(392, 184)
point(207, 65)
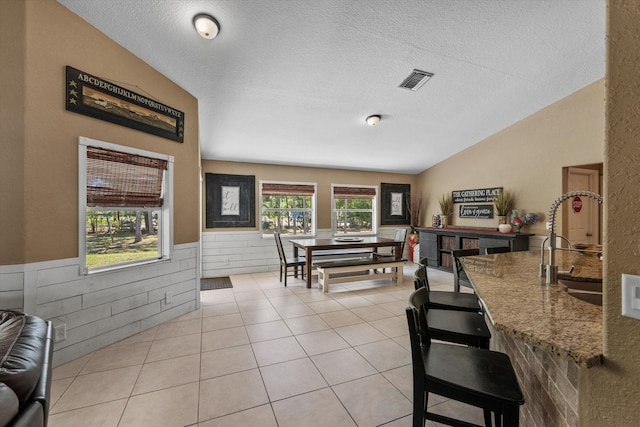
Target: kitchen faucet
point(550, 271)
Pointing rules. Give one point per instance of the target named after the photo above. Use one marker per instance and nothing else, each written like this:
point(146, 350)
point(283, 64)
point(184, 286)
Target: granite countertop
point(519, 303)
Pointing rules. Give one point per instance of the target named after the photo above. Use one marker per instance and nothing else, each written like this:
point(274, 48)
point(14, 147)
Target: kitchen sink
point(594, 298)
point(582, 285)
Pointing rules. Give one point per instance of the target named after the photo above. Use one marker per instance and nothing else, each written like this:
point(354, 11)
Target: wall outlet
point(225, 260)
point(168, 297)
point(60, 332)
point(631, 296)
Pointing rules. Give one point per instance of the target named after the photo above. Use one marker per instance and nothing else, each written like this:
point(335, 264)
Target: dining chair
point(497, 250)
point(285, 262)
point(478, 377)
point(399, 235)
point(459, 276)
point(446, 300)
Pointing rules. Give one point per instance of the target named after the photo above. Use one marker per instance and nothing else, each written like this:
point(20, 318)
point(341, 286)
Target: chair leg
point(511, 416)
point(485, 343)
point(420, 400)
point(487, 418)
point(280, 273)
point(286, 273)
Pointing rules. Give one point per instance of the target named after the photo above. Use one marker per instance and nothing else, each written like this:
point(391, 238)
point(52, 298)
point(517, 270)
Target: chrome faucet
point(542, 266)
point(550, 270)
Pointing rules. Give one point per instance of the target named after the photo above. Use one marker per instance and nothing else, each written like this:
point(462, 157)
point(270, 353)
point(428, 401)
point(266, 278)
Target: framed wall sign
point(480, 195)
point(394, 204)
point(230, 200)
point(98, 98)
point(476, 211)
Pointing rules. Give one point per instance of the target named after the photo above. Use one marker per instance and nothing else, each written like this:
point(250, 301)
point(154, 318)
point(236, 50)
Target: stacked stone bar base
point(549, 383)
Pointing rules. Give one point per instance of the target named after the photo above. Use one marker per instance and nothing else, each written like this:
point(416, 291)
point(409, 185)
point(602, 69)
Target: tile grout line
point(271, 297)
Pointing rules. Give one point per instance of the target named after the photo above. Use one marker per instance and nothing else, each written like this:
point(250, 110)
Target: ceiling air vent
point(415, 80)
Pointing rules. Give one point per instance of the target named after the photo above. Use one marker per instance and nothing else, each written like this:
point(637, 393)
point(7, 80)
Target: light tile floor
point(259, 354)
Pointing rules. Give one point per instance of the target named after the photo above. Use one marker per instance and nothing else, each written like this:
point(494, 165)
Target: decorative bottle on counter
point(514, 214)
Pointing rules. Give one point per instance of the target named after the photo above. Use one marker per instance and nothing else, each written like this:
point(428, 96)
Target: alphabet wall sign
point(98, 98)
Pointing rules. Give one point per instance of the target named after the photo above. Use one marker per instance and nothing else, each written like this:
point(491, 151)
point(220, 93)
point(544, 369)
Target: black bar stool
point(460, 327)
point(459, 276)
point(445, 300)
point(478, 377)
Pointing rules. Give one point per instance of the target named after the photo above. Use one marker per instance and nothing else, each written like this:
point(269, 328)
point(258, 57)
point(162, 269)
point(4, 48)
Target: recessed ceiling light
point(373, 120)
point(206, 25)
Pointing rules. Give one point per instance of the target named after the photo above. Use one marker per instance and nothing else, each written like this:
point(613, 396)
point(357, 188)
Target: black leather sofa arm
point(26, 353)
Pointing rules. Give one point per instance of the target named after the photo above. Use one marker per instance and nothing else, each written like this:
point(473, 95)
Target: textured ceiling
point(291, 81)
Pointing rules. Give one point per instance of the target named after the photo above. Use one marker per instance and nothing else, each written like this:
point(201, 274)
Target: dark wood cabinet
point(436, 244)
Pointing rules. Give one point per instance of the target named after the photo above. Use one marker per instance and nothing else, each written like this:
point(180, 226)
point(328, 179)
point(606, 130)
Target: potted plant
point(414, 205)
point(446, 208)
point(503, 207)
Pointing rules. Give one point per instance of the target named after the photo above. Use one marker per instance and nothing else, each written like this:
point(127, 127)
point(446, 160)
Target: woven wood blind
point(116, 179)
point(287, 189)
point(354, 192)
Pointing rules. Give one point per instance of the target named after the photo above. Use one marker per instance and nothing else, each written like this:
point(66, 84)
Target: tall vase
point(413, 239)
point(444, 221)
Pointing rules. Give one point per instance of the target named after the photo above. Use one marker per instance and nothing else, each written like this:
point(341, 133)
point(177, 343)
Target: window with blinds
point(116, 179)
point(125, 205)
point(353, 210)
point(287, 207)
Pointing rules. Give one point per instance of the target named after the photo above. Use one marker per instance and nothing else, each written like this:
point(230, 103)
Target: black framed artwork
point(394, 202)
point(230, 200)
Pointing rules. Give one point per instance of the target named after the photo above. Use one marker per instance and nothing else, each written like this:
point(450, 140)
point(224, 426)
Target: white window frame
point(314, 209)
point(165, 219)
point(374, 211)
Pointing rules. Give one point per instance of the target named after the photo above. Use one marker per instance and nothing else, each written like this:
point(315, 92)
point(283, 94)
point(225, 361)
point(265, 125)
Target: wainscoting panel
point(242, 252)
point(102, 308)
point(11, 287)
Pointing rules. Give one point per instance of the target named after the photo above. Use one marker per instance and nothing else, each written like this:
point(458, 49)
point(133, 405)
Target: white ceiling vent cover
point(415, 80)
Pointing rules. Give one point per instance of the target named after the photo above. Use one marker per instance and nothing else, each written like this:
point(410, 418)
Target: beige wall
point(38, 172)
point(613, 392)
point(40, 175)
point(12, 131)
point(572, 132)
point(323, 177)
point(526, 158)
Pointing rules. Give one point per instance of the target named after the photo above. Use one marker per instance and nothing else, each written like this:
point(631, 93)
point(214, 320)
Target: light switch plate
point(631, 296)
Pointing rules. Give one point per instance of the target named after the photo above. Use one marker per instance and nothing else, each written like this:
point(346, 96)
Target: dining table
point(341, 244)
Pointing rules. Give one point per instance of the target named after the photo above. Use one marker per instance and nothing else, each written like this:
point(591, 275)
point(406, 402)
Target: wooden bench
point(327, 270)
point(332, 254)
